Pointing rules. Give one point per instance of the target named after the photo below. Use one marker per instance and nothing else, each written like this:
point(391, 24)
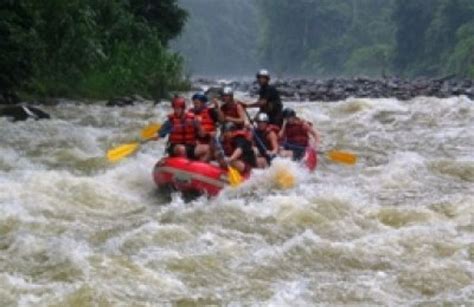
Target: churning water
point(396, 229)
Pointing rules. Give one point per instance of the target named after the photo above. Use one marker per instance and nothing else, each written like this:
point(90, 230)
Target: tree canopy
point(89, 47)
point(333, 37)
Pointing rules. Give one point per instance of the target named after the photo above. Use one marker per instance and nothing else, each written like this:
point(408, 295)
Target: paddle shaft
point(259, 140)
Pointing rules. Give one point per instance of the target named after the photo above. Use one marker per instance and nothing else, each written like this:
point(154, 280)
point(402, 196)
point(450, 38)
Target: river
point(396, 229)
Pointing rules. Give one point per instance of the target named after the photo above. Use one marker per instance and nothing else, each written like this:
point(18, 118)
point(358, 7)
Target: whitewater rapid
point(396, 229)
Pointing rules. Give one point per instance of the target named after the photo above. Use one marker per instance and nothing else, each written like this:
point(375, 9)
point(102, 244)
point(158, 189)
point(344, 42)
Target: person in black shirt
point(237, 148)
point(269, 100)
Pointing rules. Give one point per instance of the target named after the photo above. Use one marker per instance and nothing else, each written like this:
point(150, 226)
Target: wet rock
point(341, 88)
point(120, 102)
point(23, 112)
point(466, 83)
point(350, 87)
point(138, 98)
point(213, 92)
point(469, 92)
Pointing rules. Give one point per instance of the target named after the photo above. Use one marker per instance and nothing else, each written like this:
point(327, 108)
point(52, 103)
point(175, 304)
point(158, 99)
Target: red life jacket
point(184, 130)
point(228, 143)
point(296, 134)
point(263, 135)
point(204, 117)
point(231, 110)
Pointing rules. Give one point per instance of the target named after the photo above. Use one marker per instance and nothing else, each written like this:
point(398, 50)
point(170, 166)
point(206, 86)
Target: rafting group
point(244, 143)
point(216, 143)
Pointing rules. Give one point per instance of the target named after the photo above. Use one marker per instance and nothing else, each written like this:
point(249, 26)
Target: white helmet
point(227, 91)
point(263, 73)
point(262, 117)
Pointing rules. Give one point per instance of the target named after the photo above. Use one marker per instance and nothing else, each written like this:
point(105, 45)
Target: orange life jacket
point(184, 130)
point(204, 117)
point(297, 134)
point(228, 143)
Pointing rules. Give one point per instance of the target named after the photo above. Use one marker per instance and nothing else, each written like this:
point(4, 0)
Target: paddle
point(234, 176)
point(343, 157)
point(284, 178)
point(122, 151)
point(150, 131)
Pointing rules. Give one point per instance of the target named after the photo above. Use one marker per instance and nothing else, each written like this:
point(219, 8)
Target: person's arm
point(220, 114)
point(165, 129)
point(282, 131)
point(242, 114)
point(235, 155)
point(260, 103)
point(273, 140)
point(200, 131)
point(238, 120)
point(312, 132)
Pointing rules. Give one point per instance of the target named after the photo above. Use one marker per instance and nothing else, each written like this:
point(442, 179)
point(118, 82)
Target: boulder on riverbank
point(120, 102)
point(125, 101)
point(23, 112)
point(302, 89)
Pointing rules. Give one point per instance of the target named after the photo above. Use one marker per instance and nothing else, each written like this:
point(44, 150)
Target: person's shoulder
point(240, 104)
point(306, 124)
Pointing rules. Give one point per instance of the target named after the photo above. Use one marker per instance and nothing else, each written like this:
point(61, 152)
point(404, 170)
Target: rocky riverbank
point(341, 88)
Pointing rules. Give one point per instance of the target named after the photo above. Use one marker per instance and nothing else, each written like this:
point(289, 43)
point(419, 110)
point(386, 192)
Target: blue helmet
point(200, 97)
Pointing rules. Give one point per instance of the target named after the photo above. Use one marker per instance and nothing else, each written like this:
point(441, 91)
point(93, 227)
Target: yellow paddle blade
point(285, 179)
point(121, 151)
point(342, 157)
point(150, 131)
point(234, 176)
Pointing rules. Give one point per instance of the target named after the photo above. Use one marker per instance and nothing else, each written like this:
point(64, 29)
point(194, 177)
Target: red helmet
point(178, 102)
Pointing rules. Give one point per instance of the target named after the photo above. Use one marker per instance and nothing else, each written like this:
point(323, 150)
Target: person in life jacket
point(266, 138)
point(208, 118)
point(296, 135)
point(269, 100)
point(237, 149)
point(232, 110)
point(183, 130)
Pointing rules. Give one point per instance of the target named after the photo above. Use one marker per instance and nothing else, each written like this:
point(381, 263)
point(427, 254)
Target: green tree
point(431, 36)
point(15, 44)
point(90, 47)
point(320, 36)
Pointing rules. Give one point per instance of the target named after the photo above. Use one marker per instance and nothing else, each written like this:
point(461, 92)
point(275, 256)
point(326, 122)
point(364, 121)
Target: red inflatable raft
point(184, 175)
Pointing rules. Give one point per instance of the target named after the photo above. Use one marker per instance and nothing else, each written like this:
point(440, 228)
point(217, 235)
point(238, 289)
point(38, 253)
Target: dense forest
point(373, 37)
point(330, 37)
point(93, 48)
point(103, 48)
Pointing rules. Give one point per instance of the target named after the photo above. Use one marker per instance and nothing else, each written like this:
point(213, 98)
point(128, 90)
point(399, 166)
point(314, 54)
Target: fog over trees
point(330, 37)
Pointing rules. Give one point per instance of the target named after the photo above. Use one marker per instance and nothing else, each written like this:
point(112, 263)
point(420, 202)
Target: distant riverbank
point(335, 89)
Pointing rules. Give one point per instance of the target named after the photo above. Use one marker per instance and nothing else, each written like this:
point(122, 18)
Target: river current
point(395, 229)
